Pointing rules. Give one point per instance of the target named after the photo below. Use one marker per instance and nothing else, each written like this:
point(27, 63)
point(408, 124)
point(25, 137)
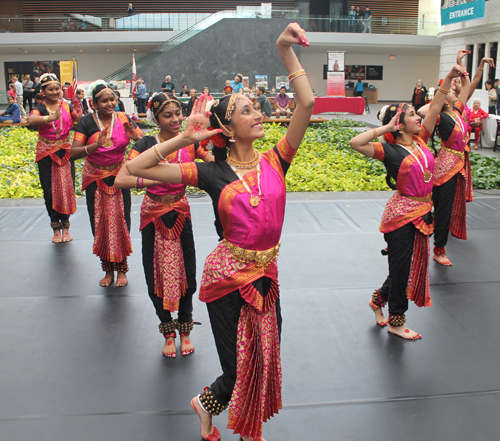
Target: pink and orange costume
point(57, 171)
point(108, 207)
point(168, 252)
point(407, 224)
point(240, 286)
point(453, 178)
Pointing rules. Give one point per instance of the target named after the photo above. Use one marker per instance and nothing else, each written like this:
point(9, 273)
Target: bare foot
point(442, 259)
point(379, 315)
point(121, 279)
point(66, 236)
point(107, 279)
point(207, 428)
point(169, 349)
point(186, 345)
point(57, 237)
point(404, 332)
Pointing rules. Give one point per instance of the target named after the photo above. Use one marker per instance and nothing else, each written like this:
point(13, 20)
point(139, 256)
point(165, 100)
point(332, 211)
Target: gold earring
point(232, 138)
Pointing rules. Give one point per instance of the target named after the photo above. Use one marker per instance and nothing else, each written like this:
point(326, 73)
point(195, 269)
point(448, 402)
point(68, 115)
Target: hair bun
point(381, 112)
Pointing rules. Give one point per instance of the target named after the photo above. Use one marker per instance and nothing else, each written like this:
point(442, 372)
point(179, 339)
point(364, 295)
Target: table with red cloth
point(339, 104)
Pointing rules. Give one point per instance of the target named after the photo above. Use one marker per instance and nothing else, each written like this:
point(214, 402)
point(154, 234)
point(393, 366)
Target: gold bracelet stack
point(446, 92)
point(375, 136)
point(297, 74)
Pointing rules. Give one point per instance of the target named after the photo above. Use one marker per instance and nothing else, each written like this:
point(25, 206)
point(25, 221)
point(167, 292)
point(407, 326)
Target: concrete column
point(474, 61)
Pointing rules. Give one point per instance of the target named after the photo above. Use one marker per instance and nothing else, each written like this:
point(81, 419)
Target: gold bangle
point(479, 68)
point(86, 151)
point(157, 153)
point(375, 136)
point(446, 92)
point(137, 182)
point(296, 74)
point(46, 119)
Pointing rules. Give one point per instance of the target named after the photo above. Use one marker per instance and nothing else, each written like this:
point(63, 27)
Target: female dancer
point(240, 276)
point(453, 177)
point(102, 138)
point(53, 119)
point(407, 221)
point(168, 253)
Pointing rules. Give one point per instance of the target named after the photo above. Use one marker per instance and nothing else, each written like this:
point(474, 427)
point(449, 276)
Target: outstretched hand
point(130, 131)
point(461, 54)
point(458, 71)
point(490, 61)
point(57, 113)
point(293, 34)
point(103, 134)
point(198, 122)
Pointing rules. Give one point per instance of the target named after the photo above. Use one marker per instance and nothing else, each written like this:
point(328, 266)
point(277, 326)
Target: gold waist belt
point(454, 152)
point(427, 198)
point(166, 198)
point(106, 167)
point(261, 258)
point(55, 141)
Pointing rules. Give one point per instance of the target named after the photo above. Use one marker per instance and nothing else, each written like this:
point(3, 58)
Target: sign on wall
point(374, 72)
point(456, 11)
point(32, 68)
point(355, 71)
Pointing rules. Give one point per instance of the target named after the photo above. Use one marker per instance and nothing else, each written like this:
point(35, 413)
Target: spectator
point(359, 19)
point(38, 99)
point(13, 112)
point(130, 9)
point(36, 88)
point(236, 84)
point(141, 96)
point(492, 97)
point(80, 93)
point(192, 94)
point(19, 94)
point(359, 88)
point(168, 86)
point(419, 94)
point(120, 107)
point(351, 19)
point(497, 88)
point(282, 101)
point(12, 91)
point(67, 91)
point(265, 105)
point(28, 92)
point(476, 121)
point(368, 21)
point(206, 90)
point(184, 91)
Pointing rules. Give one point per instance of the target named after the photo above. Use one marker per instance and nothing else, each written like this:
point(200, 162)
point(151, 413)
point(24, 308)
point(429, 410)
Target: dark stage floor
point(83, 363)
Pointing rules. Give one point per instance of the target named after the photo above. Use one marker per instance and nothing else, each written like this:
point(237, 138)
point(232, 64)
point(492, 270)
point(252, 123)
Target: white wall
point(90, 66)
point(400, 75)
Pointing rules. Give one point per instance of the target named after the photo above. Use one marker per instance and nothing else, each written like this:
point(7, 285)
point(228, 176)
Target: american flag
point(75, 78)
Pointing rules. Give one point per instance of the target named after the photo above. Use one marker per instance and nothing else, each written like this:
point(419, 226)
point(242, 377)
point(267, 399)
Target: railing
point(182, 22)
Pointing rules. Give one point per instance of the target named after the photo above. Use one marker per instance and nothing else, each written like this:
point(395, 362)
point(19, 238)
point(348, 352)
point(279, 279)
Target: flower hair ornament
point(381, 113)
point(106, 89)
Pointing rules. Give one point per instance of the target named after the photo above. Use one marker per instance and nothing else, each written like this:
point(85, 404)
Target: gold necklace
point(108, 142)
point(427, 174)
point(254, 200)
point(244, 165)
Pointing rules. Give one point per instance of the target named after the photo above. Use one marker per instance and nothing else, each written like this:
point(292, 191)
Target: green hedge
point(325, 162)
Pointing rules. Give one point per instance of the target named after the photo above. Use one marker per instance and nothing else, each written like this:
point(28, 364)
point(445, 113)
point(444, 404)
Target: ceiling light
point(25, 51)
point(79, 50)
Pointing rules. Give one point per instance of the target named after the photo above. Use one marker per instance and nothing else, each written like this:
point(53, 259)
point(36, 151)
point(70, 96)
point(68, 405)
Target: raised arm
point(437, 103)
point(146, 165)
point(479, 74)
point(361, 143)
point(465, 91)
point(294, 34)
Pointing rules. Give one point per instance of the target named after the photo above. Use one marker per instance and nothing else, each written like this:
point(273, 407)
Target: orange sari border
point(152, 210)
point(80, 137)
point(401, 210)
point(418, 287)
point(91, 174)
point(285, 150)
point(189, 172)
point(46, 147)
point(378, 151)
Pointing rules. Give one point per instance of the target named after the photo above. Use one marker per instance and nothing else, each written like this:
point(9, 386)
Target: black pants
point(90, 197)
point(443, 197)
point(400, 245)
point(142, 105)
point(360, 93)
point(224, 316)
point(28, 98)
point(185, 313)
point(45, 173)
